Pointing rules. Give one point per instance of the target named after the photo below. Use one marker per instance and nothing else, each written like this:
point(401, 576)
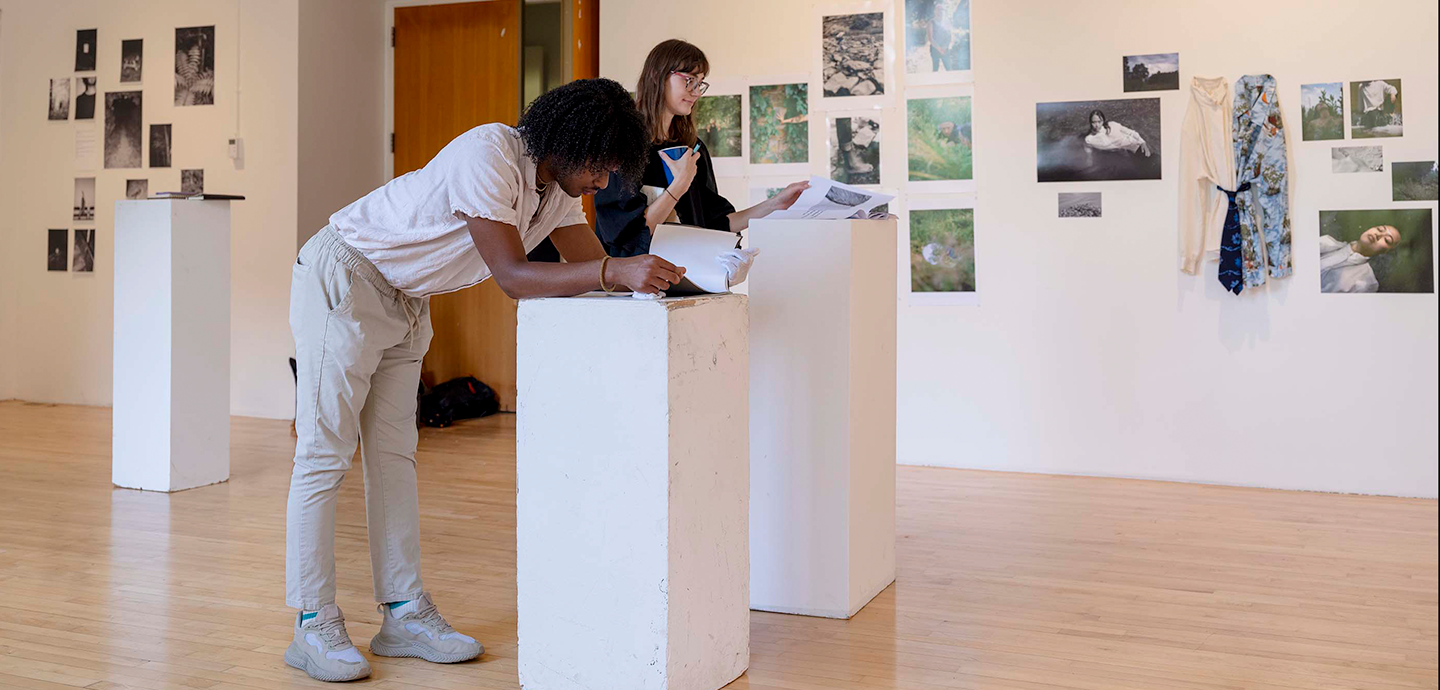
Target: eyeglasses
point(693, 83)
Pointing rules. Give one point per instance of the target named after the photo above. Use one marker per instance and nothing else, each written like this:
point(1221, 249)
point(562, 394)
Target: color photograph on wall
point(159, 146)
point(853, 54)
point(83, 206)
point(192, 181)
point(85, 92)
point(939, 139)
point(132, 57)
point(1357, 159)
point(717, 122)
point(56, 253)
point(854, 148)
point(1322, 111)
point(1414, 181)
point(137, 189)
point(59, 99)
point(1154, 72)
point(1079, 205)
point(1382, 250)
point(195, 66)
point(942, 250)
point(1098, 140)
point(123, 135)
point(1375, 109)
point(85, 50)
point(779, 124)
point(84, 261)
point(937, 37)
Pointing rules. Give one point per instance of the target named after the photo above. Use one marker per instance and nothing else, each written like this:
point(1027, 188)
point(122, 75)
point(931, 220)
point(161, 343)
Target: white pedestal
point(822, 416)
point(171, 407)
point(632, 491)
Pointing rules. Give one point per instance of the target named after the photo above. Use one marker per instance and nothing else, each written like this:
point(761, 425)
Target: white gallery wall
point(292, 67)
point(1089, 352)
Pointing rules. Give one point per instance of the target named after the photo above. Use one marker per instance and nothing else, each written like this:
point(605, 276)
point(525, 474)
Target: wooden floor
point(1006, 581)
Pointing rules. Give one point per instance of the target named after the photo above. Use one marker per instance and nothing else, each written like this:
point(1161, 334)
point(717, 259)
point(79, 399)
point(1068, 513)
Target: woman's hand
point(683, 171)
point(787, 196)
point(647, 273)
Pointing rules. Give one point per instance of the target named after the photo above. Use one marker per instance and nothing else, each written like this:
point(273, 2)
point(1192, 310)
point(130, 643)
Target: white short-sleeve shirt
point(412, 229)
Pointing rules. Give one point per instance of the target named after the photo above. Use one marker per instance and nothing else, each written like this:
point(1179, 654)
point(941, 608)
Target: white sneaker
point(416, 629)
point(323, 649)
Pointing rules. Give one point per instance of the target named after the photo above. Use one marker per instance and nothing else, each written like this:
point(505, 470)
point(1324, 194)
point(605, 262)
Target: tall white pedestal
point(822, 415)
point(632, 492)
point(171, 407)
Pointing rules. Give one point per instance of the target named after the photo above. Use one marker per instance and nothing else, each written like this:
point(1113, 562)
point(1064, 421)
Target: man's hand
point(646, 273)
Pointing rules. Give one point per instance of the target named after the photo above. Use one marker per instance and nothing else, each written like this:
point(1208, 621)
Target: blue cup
point(674, 152)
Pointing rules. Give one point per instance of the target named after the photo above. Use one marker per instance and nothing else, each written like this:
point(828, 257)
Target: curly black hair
point(584, 126)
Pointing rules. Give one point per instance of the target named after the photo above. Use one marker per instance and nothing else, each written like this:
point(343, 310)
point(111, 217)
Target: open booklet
point(830, 199)
point(698, 251)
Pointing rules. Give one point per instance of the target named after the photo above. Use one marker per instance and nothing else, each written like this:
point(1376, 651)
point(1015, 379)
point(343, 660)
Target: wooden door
point(458, 66)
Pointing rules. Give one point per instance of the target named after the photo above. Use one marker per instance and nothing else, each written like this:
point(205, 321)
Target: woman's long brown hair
point(669, 56)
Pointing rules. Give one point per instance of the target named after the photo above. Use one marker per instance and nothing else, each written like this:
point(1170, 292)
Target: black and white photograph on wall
point(855, 148)
point(60, 99)
point(195, 66)
point(123, 135)
point(937, 36)
point(85, 50)
point(717, 123)
point(137, 189)
point(853, 54)
point(85, 98)
point(1079, 205)
point(84, 261)
point(1375, 109)
point(132, 59)
point(159, 146)
point(1357, 159)
point(56, 256)
point(1322, 111)
point(1382, 250)
point(84, 203)
point(1087, 141)
point(1154, 72)
point(1414, 181)
point(192, 181)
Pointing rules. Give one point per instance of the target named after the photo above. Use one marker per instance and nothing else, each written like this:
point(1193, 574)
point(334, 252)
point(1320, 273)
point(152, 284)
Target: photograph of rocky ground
point(854, 54)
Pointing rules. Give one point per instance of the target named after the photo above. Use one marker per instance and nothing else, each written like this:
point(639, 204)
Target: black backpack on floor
point(462, 398)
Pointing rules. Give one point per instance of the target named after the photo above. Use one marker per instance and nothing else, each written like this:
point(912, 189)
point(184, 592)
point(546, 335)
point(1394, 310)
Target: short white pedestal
point(632, 492)
point(171, 402)
point(822, 415)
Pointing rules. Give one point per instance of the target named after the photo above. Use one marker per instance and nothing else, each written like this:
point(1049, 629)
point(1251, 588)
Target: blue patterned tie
point(1230, 274)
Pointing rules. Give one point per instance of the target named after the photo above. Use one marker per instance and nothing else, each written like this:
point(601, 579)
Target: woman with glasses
point(671, 82)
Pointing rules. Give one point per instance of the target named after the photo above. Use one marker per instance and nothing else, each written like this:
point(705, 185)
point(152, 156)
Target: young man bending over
point(360, 312)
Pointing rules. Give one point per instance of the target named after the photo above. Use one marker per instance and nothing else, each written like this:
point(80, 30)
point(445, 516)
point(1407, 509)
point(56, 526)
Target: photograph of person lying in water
point(1098, 140)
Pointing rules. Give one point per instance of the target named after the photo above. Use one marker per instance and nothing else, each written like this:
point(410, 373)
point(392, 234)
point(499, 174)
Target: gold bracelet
point(603, 262)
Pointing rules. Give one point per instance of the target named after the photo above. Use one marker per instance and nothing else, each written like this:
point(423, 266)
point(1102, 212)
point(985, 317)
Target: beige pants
point(358, 346)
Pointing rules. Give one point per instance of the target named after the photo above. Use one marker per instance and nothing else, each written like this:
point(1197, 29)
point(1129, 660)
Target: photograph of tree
point(939, 138)
point(779, 124)
point(1157, 72)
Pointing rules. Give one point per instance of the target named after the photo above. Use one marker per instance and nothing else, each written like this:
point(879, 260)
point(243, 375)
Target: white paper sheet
point(830, 199)
point(697, 250)
point(87, 148)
